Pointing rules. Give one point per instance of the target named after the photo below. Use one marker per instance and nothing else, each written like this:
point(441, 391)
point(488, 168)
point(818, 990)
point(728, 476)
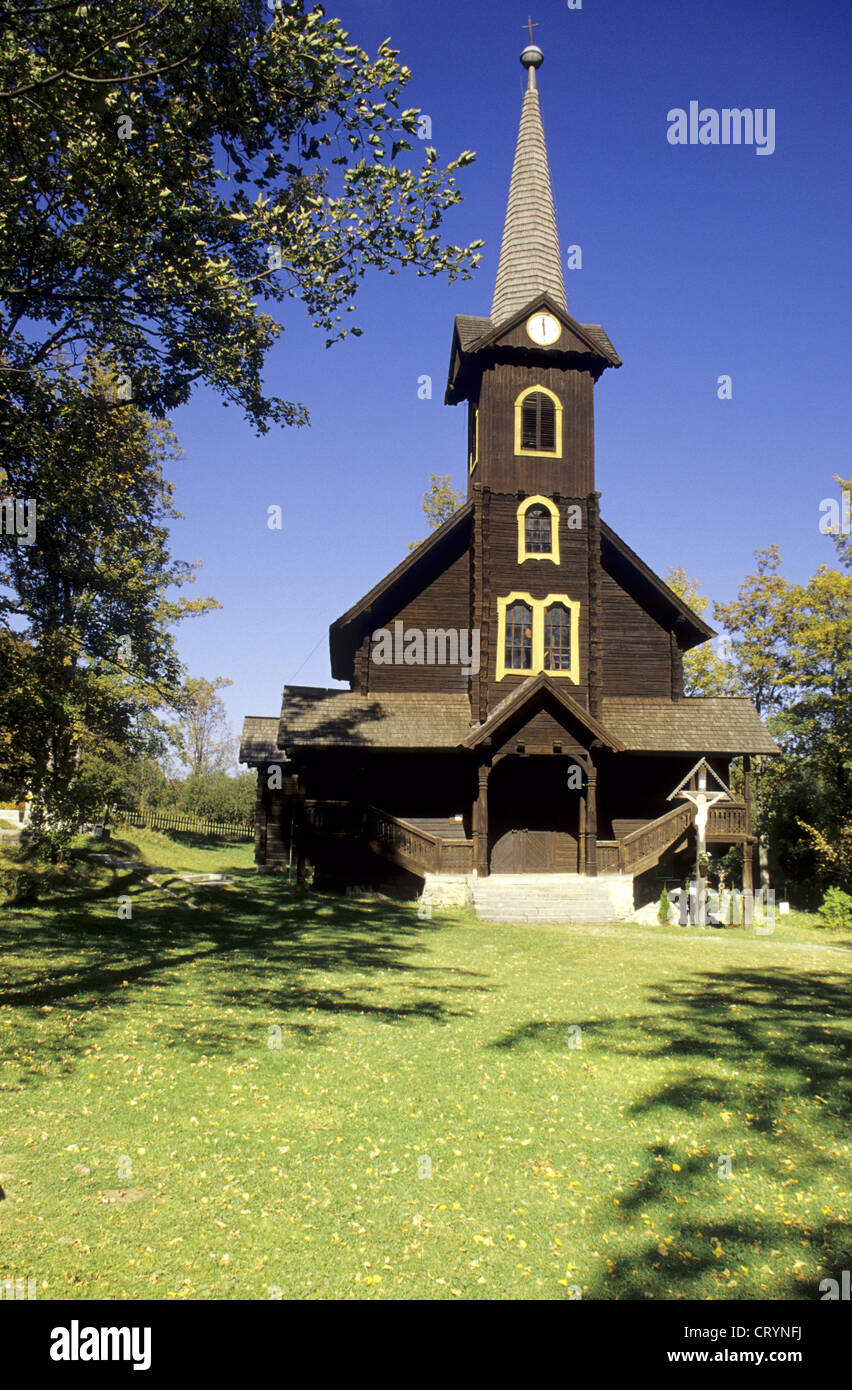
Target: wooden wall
point(445, 603)
point(539, 578)
point(637, 654)
point(499, 468)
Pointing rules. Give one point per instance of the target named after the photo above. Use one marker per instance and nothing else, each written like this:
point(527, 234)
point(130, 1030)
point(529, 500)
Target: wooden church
point(515, 722)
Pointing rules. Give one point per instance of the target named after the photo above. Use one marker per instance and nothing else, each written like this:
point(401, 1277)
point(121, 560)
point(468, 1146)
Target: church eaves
point(530, 262)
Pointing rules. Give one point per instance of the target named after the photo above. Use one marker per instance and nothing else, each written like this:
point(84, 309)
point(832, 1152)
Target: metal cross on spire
point(529, 25)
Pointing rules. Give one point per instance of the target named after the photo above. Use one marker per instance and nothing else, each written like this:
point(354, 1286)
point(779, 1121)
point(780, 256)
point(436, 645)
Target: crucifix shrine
point(702, 798)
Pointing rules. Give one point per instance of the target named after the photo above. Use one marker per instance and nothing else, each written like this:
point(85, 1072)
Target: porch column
point(480, 823)
point(582, 832)
point(748, 847)
point(592, 823)
point(260, 816)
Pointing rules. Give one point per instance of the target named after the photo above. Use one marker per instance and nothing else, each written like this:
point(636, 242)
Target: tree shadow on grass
point(768, 1049)
point(273, 951)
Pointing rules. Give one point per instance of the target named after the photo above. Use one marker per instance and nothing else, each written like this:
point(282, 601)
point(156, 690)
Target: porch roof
point(317, 718)
point(259, 742)
point(690, 725)
point(527, 692)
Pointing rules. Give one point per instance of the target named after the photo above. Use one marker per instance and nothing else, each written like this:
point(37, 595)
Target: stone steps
point(563, 899)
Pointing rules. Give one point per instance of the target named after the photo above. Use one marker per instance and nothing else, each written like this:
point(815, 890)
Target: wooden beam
point(480, 823)
point(592, 824)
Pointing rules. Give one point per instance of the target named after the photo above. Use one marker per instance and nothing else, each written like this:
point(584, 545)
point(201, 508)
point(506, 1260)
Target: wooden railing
point(422, 852)
point(237, 829)
point(727, 821)
point(608, 857)
point(389, 836)
point(415, 848)
point(642, 848)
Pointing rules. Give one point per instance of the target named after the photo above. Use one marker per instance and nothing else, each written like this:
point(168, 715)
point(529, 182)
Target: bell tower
point(527, 372)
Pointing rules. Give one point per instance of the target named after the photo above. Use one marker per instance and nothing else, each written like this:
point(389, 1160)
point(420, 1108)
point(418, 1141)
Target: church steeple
point(530, 262)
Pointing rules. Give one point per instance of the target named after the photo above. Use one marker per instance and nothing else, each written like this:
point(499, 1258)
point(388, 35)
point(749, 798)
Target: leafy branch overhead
point(174, 172)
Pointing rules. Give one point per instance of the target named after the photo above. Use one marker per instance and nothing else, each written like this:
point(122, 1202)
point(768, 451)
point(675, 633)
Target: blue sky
point(698, 261)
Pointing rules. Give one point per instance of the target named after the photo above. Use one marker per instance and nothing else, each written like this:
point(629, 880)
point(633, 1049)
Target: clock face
point(544, 329)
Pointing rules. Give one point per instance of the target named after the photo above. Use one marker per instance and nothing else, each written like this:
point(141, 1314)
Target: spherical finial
point(532, 56)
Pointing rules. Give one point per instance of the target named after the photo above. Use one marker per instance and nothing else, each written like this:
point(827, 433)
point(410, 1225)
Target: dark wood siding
point(637, 658)
point(539, 578)
point(443, 604)
point(499, 468)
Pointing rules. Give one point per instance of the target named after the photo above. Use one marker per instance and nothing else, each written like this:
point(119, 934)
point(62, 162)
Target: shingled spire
point(530, 262)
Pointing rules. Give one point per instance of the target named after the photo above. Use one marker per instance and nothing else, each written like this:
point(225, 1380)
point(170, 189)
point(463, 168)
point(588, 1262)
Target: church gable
point(646, 626)
point(426, 643)
point(428, 591)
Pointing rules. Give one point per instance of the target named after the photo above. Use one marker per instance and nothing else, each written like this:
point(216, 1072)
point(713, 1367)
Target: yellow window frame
point(538, 607)
point(519, 407)
point(473, 459)
point(523, 553)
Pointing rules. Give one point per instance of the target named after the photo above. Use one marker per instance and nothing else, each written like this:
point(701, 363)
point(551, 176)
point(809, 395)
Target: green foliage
point(213, 796)
point(836, 909)
point(86, 613)
point(203, 741)
point(20, 886)
point(790, 653)
point(705, 673)
point(757, 624)
point(169, 167)
point(665, 906)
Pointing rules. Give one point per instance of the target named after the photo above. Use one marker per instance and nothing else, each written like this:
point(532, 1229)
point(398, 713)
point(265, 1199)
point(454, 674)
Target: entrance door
point(533, 817)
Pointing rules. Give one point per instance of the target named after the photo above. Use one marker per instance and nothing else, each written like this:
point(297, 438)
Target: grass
point(428, 1126)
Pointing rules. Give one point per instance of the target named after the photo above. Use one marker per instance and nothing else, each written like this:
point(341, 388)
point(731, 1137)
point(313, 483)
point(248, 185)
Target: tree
point(86, 611)
point(816, 725)
point(705, 673)
point(202, 737)
point(757, 625)
point(440, 501)
point(167, 167)
point(843, 539)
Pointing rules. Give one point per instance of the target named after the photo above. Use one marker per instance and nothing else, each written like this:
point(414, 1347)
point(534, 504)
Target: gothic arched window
point(538, 634)
point(538, 423)
point(538, 530)
point(557, 638)
point(519, 635)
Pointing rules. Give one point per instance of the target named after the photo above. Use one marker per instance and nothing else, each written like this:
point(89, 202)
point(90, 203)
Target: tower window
point(538, 530)
point(519, 633)
point(538, 423)
point(538, 527)
point(557, 638)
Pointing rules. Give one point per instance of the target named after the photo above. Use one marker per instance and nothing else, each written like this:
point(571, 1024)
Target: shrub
point(665, 906)
point(836, 909)
point(20, 886)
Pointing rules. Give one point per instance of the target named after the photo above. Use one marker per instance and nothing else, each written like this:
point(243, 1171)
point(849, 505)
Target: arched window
point(538, 423)
point(538, 537)
point(557, 638)
point(538, 530)
point(519, 635)
point(538, 634)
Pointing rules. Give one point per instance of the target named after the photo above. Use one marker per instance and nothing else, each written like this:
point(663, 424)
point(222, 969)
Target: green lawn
point(428, 1126)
